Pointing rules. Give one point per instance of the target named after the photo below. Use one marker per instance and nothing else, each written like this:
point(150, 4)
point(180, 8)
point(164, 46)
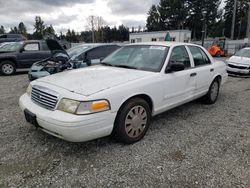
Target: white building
point(175, 35)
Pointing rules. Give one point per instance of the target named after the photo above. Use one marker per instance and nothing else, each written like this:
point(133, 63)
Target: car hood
point(55, 47)
point(239, 60)
point(91, 80)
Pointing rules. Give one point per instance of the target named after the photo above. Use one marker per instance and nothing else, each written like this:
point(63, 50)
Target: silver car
point(239, 63)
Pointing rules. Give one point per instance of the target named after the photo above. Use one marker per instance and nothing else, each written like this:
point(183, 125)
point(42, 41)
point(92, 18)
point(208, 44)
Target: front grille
point(237, 66)
point(44, 97)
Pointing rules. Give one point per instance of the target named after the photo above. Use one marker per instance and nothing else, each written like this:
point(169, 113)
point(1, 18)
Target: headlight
point(83, 108)
point(29, 90)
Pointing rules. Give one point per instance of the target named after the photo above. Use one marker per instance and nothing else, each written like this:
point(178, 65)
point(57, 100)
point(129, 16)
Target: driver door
point(179, 87)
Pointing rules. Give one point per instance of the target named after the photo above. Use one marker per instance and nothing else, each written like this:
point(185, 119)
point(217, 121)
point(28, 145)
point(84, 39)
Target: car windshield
point(78, 50)
point(243, 53)
point(141, 57)
point(14, 46)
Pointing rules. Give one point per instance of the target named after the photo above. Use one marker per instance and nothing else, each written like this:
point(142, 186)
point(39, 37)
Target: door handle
point(211, 70)
point(193, 74)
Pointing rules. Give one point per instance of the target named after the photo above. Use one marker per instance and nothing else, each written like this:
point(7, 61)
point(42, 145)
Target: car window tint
point(198, 56)
point(110, 49)
point(96, 53)
point(45, 46)
point(180, 55)
point(31, 47)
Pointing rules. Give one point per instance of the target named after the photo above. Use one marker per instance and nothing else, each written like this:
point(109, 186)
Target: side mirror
point(22, 50)
point(175, 67)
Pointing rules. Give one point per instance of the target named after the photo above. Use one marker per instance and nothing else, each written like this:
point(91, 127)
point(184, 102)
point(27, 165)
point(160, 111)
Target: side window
point(96, 53)
point(110, 49)
point(31, 47)
point(200, 58)
point(205, 57)
point(180, 55)
point(45, 46)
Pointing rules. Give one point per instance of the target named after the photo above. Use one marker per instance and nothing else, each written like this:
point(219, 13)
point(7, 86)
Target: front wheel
point(132, 121)
point(213, 93)
point(7, 68)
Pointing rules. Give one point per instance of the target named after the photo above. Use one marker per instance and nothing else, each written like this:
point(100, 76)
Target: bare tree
point(95, 23)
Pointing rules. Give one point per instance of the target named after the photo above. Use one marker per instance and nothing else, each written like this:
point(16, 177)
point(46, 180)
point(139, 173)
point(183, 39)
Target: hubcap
point(136, 121)
point(7, 69)
point(214, 91)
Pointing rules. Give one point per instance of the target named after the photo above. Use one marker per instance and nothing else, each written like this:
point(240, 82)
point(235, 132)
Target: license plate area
point(30, 117)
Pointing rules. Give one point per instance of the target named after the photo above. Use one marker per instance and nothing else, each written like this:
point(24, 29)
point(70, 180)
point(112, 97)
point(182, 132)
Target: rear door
point(44, 52)
point(203, 68)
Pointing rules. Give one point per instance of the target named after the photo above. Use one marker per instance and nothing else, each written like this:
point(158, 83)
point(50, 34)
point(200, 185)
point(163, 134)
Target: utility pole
point(248, 22)
point(92, 28)
point(234, 17)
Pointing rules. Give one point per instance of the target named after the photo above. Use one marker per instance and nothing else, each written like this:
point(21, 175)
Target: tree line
point(189, 14)
point(98, 33)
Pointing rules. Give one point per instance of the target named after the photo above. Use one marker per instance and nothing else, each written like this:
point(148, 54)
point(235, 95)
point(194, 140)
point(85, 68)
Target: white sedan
point(120, 96)
point(239, 63)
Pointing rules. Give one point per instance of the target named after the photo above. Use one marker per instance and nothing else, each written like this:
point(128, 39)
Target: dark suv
point(22, 55)
point(11, 38)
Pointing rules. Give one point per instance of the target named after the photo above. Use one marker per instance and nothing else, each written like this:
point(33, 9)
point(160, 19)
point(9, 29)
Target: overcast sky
point(72, 14)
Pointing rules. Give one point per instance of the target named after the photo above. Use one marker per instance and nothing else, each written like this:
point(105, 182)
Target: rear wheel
point(7, 68)
point(132, 121)
point(213, 93)
point(218, 54)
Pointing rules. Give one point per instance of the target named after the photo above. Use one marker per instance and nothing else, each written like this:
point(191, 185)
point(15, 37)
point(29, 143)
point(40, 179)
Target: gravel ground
point(191, 146)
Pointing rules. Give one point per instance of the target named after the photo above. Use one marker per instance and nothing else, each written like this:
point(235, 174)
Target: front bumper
point(231, 70)
point(70, 127)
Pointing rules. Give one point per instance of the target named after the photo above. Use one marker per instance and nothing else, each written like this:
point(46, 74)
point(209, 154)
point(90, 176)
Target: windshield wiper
point(125, 66)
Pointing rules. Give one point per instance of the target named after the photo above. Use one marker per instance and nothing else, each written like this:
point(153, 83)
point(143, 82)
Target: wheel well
point(144, 97)
point(8, 59)
point(218, 78)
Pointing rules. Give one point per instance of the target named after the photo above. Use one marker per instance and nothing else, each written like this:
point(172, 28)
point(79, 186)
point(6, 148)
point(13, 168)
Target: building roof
point(159, 32)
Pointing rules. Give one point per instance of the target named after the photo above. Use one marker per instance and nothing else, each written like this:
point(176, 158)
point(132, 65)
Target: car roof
point(163, 43)
point(28, 41)
point(97, 44)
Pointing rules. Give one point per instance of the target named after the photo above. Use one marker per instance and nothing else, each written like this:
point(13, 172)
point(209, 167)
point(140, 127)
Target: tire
point(218, 54)
point(132, 121)
point(213, 93)
point(7, 68)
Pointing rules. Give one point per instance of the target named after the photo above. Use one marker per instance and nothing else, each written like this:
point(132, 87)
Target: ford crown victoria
point(119, 96)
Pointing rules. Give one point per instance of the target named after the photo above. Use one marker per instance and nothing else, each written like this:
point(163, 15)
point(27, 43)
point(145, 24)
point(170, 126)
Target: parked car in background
point(11, 38)
point(120, 95)
point(239, 63)
point(4, 44)
point(77, 57)
point(21, 55)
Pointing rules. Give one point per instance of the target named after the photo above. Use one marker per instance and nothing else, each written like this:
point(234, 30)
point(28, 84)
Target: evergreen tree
point(50, 30)
point(195, 17)
point(13, 30)
point(39, 28)
point(172, 14)
point(2, 30)
point(153, 20)
point(22, 29)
